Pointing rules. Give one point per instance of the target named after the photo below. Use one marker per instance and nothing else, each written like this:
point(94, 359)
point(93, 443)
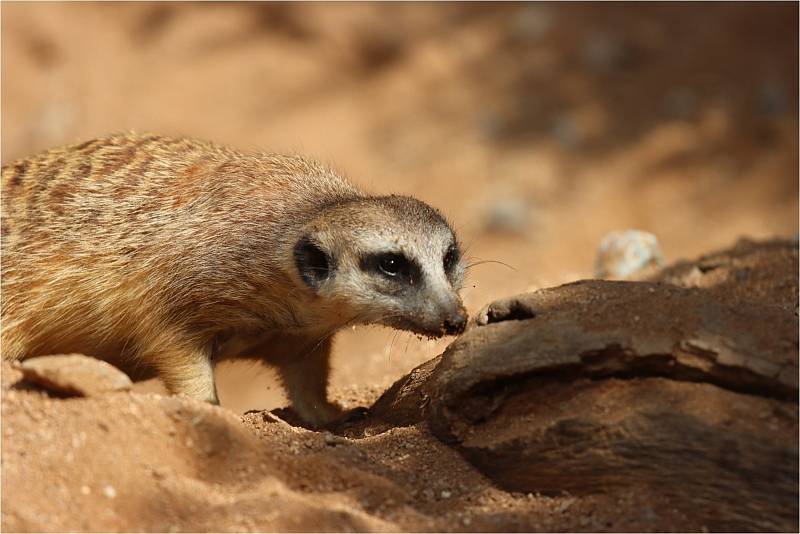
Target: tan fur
point(164, 251)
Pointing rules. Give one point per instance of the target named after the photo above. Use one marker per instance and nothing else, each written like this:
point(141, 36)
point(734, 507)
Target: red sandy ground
point(680, 119)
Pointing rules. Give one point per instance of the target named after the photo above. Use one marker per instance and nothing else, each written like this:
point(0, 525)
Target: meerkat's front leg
point(304, 367)
point(184, 366)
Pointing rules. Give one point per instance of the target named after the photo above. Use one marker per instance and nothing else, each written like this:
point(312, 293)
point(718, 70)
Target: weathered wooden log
point(678, 393)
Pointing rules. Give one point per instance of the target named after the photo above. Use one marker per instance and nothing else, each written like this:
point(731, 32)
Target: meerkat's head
point(385, 260)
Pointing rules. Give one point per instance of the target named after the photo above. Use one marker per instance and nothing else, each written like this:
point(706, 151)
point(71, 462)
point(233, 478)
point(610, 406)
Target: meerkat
point(173, 253)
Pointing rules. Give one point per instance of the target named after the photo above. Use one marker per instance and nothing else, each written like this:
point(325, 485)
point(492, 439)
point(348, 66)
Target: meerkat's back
point(102, 238)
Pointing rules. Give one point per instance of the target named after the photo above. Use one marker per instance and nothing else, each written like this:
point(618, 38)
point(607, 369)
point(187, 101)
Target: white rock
point(626, 254)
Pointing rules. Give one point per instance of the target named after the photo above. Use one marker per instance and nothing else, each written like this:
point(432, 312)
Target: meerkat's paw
point(354, 415)
point(331, 418)
point(319, 414)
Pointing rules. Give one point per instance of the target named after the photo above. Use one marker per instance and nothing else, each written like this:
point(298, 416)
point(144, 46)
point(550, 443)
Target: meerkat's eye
point(392, 264)
point(451, 258)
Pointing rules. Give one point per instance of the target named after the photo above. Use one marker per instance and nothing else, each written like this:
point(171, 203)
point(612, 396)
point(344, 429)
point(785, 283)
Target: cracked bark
point(614, 387)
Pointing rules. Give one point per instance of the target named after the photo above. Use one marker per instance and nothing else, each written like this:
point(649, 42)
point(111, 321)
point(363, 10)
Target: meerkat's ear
point(313, 264)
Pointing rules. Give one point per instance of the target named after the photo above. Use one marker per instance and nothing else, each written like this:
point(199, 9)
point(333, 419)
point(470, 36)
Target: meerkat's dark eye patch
point(313, 264)
point(392, 265)
point(451, 258)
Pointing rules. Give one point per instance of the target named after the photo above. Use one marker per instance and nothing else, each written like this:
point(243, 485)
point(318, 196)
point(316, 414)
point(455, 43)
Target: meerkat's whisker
point(391, 344)
point(475, 264)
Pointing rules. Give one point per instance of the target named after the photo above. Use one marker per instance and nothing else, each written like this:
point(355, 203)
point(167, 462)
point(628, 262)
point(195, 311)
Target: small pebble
point(109, 492)
point(773, 99)
point(533, 22)
point(446, 494)
point(332, 439)
point(567, 131)
point(604, 51)
point(507, 215)
point(86, 490)
point(626, 254)
point(680, 102)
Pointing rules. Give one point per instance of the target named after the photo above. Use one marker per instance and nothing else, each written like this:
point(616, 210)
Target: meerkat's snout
point(447, 318)
point(455, 322)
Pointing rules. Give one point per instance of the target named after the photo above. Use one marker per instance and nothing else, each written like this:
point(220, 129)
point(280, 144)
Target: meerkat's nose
point(456, 322)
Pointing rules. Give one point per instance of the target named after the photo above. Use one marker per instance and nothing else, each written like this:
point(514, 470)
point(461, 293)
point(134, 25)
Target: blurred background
point(537, 128)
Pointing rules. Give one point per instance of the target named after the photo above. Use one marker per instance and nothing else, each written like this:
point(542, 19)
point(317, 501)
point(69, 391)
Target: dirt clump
point(74, 374)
